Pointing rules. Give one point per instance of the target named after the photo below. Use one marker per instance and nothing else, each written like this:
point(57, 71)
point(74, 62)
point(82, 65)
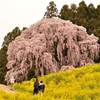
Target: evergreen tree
point(91, 11)
point(11, 36)
point(82, 15)
point(3, 62)
point(52, 11)
point(73, 12)
point(3, 52)
point(64, 13)
point(98, 11)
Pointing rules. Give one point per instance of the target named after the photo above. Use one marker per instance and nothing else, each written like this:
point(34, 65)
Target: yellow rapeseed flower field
point(75, 84)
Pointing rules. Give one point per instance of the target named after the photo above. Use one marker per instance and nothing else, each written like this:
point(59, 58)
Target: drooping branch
point(47, 46)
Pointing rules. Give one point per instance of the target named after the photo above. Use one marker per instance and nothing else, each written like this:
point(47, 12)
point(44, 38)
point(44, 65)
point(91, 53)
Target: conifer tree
point(64, 13)
point(3, 51)
point(52, 11)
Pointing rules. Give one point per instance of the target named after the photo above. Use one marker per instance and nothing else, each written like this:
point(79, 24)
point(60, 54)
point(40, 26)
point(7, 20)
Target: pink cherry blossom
point(48, 45)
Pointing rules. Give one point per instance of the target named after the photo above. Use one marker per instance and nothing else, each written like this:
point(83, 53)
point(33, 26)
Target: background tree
point(3, 62)
point(52, 11)
point(67, 13)
point(3, 51)
point(64, 13)
point(82, 15)
point(11, 36)
point(97, 22)
point(91, 18)
point(73, 12)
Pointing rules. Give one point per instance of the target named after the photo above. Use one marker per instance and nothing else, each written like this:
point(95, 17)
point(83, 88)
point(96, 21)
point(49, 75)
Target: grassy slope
point(76, 84)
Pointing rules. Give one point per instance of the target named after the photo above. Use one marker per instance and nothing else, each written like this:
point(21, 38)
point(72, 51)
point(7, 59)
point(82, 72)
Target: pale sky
point(23, 13)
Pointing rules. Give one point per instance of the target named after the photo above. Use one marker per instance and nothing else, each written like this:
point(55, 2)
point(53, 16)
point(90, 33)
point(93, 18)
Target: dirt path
point(6, 88)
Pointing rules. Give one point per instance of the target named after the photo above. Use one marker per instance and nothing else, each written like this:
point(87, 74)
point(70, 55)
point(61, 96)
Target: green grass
point(77, 84)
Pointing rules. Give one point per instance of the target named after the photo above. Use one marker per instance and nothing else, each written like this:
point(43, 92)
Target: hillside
point(76, 84)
